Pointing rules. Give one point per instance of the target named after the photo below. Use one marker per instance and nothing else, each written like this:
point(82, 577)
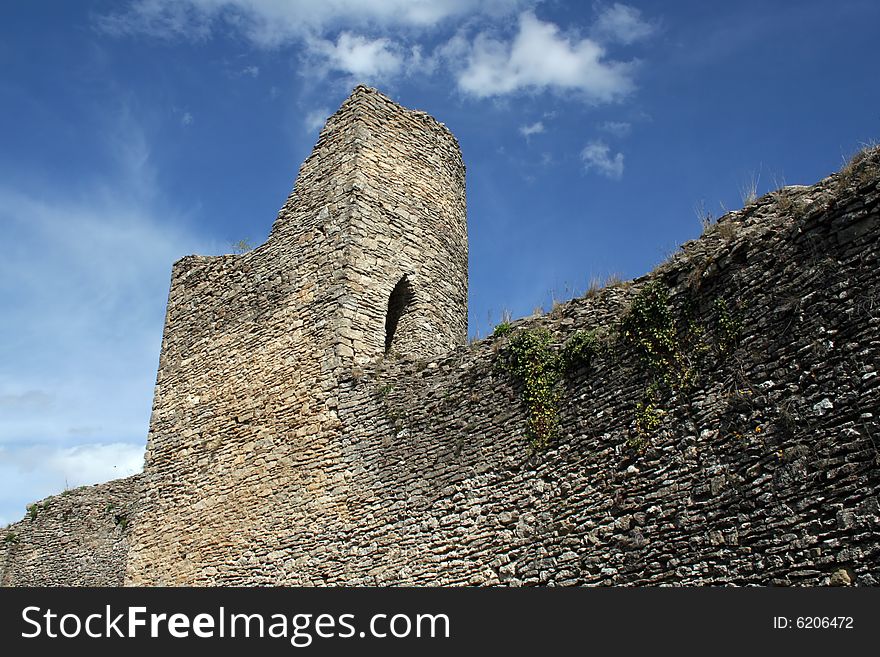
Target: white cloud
point(540, 58)
point(84, 288)
point(532, 129)
point(316, 119)
point(273, 23)
point(253, 71)
point(620, 23)
point(361, 58)
point(43, 470)
point(378, 40)
point(80, 465)
point(84, 281)
point(597, 157)
point(616, 128)
point(455, 49)
point(419, 64)
point(186, 119)
point(89, 464)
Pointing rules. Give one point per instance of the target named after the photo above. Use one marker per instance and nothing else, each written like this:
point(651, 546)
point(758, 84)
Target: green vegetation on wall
point(540, 367)
point(650, 329)
point(537, 366)
point(671, 349)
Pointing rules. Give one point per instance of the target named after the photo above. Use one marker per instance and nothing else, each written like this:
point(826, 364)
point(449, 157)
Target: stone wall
point(244, 422)
point(761, 469)
point(758, 464)
point(78, 537)
point(717, 423)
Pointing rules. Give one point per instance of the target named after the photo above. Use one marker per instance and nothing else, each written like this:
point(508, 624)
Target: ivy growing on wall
point(729, 327)
point(540, 367)
point(671, 349)
point(504, 328)
point(650, 329)
point(531, 358)
point(672, 352)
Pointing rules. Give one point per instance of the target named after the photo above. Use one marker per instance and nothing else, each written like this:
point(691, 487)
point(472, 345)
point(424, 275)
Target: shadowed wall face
point(400, 306)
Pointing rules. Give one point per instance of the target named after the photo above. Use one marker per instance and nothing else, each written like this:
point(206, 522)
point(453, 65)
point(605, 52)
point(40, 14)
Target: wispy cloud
point(271, 24)
point(38, 400)
point(46, 469)
point(83, 291)
point(621, 23)
point(531, 129)
point(417, 63)
point(378, 41)
point(597, 157)
point(616, 128)
point(315, 119)
point(84, 285)
point(187, 118)
point(540, 58)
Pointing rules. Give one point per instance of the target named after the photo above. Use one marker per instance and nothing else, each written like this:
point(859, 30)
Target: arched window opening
point(399, 302)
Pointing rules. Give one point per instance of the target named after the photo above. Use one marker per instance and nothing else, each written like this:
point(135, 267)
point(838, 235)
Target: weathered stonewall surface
point(319, 421)
point(78, 537)
point(367, 257)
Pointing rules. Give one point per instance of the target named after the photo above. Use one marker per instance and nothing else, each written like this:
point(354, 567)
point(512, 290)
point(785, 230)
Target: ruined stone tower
point(367, 257)
point(382, 198)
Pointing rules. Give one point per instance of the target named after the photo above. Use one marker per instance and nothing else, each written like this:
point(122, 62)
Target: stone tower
point(367, 258)
point(383, 197)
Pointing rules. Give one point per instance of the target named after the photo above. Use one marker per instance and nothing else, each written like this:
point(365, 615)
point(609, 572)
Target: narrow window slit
point(401, 298)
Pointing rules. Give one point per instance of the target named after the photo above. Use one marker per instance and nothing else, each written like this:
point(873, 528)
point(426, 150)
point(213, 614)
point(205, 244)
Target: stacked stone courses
point(79, 537)
point(319, 420)
point(245, 429)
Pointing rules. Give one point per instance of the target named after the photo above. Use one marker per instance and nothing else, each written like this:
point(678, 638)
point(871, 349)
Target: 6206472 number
point(824, 622)
point(813, 623)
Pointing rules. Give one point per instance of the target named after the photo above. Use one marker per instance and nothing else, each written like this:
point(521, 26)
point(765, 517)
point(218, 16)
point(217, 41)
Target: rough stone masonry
point(319, 420)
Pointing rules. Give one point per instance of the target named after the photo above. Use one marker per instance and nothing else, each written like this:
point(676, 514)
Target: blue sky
point(136, 132)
